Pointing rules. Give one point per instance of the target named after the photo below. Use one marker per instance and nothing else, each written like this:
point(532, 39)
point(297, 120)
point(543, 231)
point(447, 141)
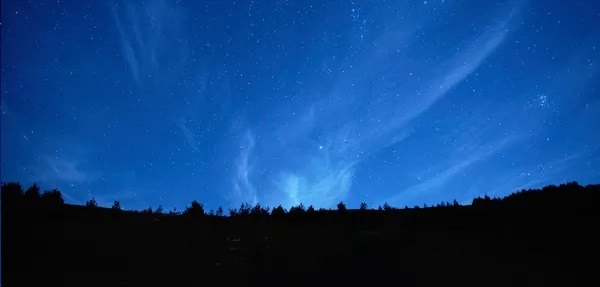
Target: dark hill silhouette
point(540, 237)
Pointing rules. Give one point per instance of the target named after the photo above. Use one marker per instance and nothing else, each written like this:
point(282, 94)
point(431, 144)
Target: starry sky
point(280, 102)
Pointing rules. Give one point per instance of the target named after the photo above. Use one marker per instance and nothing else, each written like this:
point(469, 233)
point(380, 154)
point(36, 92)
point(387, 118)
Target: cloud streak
point(324, 184)
point(128, 49)
point(67, 170)
point(475, 153)
point(380, 122)
point(537, 176)
point(461, 66)
point(360, 115)
point(242, 185)
point(144, 33)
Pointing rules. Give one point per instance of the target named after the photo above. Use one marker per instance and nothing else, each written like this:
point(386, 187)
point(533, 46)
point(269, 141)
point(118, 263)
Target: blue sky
point(280, 102)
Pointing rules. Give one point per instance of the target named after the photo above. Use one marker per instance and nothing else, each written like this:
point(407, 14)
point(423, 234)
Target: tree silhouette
point(219, 211)
point(195, 210)
point(487, 202)
point(387, 207)
point(278, 211)
point(32, 194)
point(12, 194)
point(245, 209)
point(91, 203)
point(297, 209)
point(116, 205)
point(258, 210)
point(363, 206)
point(341, 206)
point(53, 198)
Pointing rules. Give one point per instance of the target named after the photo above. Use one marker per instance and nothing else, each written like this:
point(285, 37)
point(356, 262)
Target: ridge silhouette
point(535, 237)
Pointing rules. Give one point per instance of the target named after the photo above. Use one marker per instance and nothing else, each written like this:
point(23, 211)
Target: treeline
point(14, 196)
point(552, 196)
point(535, 237)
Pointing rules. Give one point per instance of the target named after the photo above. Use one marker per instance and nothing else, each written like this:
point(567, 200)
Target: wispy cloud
point(65, 173)
point(459, 66)
point(464, 63)
point(536, 176)
point(144, 32)
point(127, 197)
point(70, 199)
point(359, 115)
point(381, 119)
point(127, 46)
point(324, 184)
point(189, 135)
point(464, 158)
point(67, 170)
point(242, 184)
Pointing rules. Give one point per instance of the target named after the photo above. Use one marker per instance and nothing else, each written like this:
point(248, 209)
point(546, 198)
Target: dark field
point(542, 237)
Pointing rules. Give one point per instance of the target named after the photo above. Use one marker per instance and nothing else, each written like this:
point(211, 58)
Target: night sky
point(406, 102)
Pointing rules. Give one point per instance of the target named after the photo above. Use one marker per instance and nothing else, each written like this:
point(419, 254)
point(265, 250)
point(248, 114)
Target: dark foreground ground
point(543, 237)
